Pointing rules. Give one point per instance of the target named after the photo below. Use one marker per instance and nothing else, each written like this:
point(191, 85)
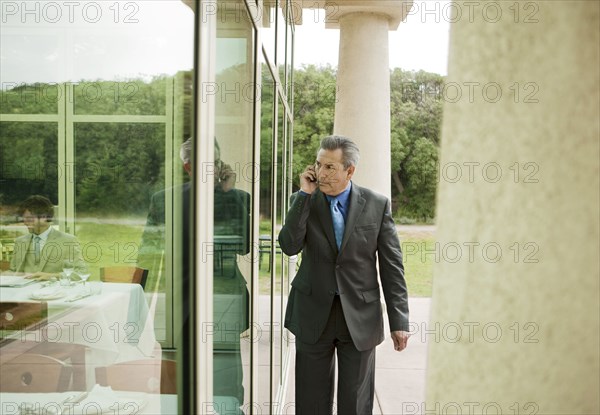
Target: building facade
point(161, 133)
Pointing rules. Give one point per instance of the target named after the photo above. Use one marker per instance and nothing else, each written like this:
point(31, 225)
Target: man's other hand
point(41, 275)
point(400, 340)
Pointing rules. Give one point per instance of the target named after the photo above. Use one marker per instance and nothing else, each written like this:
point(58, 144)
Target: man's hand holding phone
point(308, 179)
point(224, 177)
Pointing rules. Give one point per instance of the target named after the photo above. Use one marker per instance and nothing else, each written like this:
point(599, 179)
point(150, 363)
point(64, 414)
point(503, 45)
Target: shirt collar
point(342, 197)
point(44, 235)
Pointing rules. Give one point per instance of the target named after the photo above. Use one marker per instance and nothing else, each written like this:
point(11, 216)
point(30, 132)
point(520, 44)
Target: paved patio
point(399, 377)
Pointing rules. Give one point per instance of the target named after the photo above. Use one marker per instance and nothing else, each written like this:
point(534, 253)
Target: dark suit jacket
point(370, 234)
point(231, 217)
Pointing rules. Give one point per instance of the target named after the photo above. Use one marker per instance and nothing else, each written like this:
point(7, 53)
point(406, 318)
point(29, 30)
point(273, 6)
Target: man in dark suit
point(231, 217)
point(342, 230)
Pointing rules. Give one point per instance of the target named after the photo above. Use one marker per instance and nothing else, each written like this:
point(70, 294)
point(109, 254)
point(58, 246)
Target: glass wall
point(96, 100)
point(144, 177)
point(233, 208)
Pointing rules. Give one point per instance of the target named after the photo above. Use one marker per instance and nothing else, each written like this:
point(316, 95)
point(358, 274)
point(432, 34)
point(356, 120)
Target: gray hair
point(350, 152)
point(185, 151)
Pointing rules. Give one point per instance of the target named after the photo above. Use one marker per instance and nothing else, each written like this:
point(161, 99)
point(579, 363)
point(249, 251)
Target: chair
point(149, 375)
point(7, 248)
point(32, 372)
point(28, 316)
point(22, 315)
point(133, 275)
point(264, 247)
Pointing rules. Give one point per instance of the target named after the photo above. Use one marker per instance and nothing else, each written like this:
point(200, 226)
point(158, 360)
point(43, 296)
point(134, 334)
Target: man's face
point(331, 175)
point(35, 224)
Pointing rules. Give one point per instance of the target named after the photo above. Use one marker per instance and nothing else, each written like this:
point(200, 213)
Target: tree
point(314, 106)
point(416, 115)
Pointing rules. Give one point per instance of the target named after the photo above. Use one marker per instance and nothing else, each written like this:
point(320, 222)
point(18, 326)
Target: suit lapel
point(357, 204)
point(325, 217)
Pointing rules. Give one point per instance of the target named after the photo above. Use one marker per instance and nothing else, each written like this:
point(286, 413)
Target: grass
point(107, 244)
point(418, 268)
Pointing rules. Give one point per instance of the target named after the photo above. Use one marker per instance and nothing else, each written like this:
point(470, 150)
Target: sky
point(56, 42)
point(421, 42)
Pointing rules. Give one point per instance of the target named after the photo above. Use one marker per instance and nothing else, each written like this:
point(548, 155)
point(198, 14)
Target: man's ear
point(351, 171)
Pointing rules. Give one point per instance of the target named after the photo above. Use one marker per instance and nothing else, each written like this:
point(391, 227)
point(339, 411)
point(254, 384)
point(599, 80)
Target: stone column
point(514, 326)
point(362, 110)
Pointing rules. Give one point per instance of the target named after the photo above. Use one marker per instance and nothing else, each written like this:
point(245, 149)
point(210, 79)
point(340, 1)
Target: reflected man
point(231, 223)
point(43, 252)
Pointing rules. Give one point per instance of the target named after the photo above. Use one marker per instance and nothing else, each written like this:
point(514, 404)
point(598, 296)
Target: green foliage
point(416, 114)
point(314, 105)
point(420, 169)
point(117, 165)
point(28, 161)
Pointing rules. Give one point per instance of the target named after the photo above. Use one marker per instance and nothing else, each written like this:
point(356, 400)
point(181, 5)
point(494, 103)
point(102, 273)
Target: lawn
point(109, 244)
point(106, 244)
point(418, 266)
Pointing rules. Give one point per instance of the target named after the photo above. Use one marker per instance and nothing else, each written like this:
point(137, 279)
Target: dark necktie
point(338, 221)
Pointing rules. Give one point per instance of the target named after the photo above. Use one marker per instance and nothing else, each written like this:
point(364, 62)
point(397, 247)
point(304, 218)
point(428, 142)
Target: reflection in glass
point(29, 160)
point(233, 185)
point(93, 113)
point(266, 260)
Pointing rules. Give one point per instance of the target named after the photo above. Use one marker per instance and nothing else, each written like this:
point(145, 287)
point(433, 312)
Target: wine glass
point(84, 276)
point(68, 269)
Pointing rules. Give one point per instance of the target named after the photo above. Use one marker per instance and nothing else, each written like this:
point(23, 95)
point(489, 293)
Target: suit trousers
point(315, 371)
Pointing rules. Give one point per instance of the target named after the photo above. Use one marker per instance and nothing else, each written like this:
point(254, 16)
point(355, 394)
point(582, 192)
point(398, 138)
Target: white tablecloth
point(115, 325)
point(122, 403)
point(126, 402)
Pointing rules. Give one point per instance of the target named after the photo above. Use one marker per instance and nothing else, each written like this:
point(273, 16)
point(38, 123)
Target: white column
point(515, 318)
point(362, 111)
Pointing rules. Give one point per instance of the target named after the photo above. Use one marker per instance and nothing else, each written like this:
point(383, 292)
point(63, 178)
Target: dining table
point(100, 400)
point(104, 400)
point(112, 320)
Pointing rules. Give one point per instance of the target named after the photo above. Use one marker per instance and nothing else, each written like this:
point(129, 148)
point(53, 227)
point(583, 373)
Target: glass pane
point(28, 164)
point(112, 199)
point(234, 176)
point(96, 101)
point(269, 26)
point(289, 58)
point(22, 52)
point(281, 28)
point(28, 161)
point(279, 263)
point(135, 97)
point(288, 263)
point(266, 259)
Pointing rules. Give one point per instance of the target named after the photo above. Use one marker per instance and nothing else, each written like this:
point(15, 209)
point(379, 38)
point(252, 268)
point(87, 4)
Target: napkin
point(14, 281)
point(48, 293)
